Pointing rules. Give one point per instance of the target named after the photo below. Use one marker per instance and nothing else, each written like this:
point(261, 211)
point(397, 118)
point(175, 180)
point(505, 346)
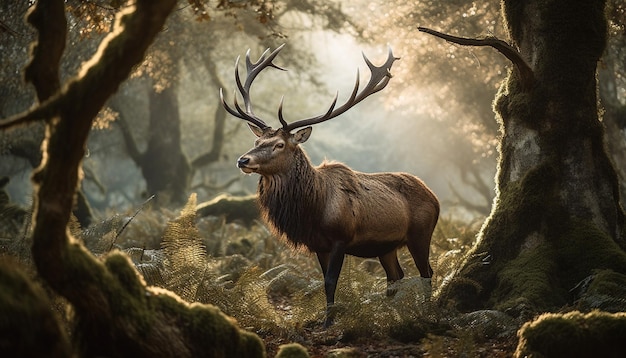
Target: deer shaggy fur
point(371, 213)
point(333, 210)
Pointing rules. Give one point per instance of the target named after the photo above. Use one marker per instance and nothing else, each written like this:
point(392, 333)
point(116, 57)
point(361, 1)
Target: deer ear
point(256, 130)
point(302, 135)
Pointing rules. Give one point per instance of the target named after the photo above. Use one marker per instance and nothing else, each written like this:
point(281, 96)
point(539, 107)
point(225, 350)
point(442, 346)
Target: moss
point(209, 329)
point(573, 334)
point(345, 352)
point(127, 318)
point(604, 290)
point(28, 328)
point(608, 282)
point(530, 280)
point(513, 12)
point(233, 208)
point(122, 268)
point(584, 248)
point(292, 350)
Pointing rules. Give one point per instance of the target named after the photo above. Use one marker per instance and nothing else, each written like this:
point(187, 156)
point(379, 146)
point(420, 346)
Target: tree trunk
point(115, 313)
point(213, 155)
point(614, 117)
point(556, 218)
point(164, 165)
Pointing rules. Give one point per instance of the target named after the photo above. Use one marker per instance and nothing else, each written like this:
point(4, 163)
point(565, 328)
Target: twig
point(119, 233)
point(526, 73)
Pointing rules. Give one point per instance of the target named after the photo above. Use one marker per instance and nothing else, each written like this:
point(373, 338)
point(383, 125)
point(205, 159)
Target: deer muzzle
point(243, 163)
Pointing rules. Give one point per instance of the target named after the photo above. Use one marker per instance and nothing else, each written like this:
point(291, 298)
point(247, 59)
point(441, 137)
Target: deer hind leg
point(392, 269)
point(419, 246)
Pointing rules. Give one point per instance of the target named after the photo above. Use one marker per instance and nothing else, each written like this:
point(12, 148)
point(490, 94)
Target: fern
point(185, 261)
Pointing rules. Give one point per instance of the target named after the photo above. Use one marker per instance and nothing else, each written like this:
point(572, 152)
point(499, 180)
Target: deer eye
point(280, 145)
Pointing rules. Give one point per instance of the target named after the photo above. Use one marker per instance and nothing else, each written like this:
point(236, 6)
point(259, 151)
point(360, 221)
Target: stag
point(331, 209)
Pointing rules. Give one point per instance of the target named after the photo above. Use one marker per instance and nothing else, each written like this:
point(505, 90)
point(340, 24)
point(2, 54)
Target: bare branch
point(44, 111)
point(525, 72)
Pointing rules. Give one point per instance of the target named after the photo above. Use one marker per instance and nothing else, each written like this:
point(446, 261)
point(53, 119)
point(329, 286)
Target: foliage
point(272, 289)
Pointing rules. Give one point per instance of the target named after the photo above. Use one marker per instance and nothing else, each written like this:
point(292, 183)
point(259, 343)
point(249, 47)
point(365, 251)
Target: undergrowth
point(268, 286)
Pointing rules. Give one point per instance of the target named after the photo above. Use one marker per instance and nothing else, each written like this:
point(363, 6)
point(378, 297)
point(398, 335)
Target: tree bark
point(116, 314)
point(557, 217)
point(44, 75)
point(614, 117)
point(213, 155)
point(164, 165)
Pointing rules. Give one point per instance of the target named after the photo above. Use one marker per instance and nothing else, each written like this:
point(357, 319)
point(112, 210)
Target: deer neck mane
point(292, 203)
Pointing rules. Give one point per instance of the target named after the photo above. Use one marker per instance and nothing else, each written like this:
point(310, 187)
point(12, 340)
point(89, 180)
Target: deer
point(330, 209)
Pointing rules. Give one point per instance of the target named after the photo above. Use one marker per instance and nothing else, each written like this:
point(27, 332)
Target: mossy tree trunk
point(115, 313)
point(614, 117)
point(556, 217)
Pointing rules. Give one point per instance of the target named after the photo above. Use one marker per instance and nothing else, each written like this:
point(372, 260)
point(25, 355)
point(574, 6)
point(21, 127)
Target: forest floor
point(332, 342)
point(328, 343)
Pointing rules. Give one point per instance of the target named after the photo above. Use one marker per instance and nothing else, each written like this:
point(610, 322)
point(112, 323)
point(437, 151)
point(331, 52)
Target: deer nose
point(242, 162)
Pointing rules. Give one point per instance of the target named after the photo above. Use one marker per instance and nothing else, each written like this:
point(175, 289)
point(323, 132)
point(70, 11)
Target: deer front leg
point(331, 264)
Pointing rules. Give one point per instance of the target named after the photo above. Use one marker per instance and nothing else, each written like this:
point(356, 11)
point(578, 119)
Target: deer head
point(274, 147)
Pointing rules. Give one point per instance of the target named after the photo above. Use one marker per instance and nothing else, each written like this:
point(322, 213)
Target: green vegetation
point(574, 334)
point(225, 270)
point(28, 327)
point(265, 285)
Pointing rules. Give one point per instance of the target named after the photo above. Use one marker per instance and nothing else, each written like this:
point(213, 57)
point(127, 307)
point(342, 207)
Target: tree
point(116, 314)
point(46, 81)
point(197, 47)
point(612, 83)
point(461, 114)
point(557, 217)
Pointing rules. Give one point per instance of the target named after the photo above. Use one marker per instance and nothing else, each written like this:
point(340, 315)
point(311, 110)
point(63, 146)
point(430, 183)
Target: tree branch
point(213, 155)
point(43, 70)
point(79, 102)
point(526, 74)
point(43, 111)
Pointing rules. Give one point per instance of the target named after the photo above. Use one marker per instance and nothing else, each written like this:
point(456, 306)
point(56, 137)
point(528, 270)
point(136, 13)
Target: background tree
point(557, 216)
point(612, 89)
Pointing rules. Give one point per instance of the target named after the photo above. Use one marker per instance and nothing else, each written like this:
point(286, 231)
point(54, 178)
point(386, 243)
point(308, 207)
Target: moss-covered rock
point(292, 350)
point(145, 321)
point(28, 328)
point(574, 334)
point(232, 208)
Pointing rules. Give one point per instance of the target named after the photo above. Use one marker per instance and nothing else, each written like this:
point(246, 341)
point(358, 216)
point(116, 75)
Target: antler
point(252, 69)
point(378, 80)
